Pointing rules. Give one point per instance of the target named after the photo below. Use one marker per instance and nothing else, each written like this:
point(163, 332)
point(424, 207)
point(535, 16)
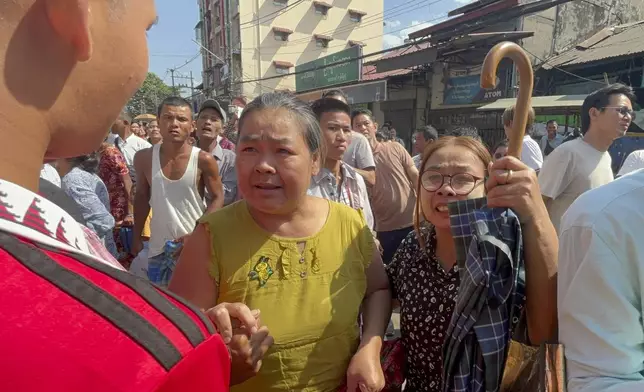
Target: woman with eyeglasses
point(423, 275)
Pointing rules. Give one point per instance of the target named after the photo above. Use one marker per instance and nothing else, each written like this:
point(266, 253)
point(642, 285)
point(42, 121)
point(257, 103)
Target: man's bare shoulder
point(143, 154)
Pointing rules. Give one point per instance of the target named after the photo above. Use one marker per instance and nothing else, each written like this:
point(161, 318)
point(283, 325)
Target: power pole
point(231, 66)
point(192, 86)
point(172, 73)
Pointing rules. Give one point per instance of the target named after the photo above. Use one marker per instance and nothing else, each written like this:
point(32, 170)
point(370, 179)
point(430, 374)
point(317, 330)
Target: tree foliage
point(150, 95)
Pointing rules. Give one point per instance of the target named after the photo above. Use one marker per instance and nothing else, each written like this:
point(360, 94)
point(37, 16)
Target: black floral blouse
point(427, 295)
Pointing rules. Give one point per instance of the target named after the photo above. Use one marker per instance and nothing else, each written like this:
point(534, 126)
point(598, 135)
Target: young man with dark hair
point(172, 179)
point(337, 181)
point(70, 322)
point(530, 153)
point(393, 197)
point(358, 155)
point(336, 94)
point(583, 164)
point(601, 258)
point(423, 137)
point(552, 139)
point(210, 122)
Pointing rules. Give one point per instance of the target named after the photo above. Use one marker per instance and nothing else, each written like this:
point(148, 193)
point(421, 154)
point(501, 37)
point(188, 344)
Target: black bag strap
point(104, 304)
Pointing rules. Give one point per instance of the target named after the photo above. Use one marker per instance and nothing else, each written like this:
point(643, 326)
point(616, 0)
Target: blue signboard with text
point(465, 90)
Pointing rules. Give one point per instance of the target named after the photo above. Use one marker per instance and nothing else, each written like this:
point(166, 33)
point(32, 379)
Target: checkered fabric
point(489, 250)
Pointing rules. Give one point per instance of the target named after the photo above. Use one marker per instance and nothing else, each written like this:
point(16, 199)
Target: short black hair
point(365, 112)
point(428, 132)
point(381, 137)
point(87, 162)
point(335, 93)
point(551, 122)
point(502, 143)
point(174, 101)
point(464, 130)
point(329, 105)
point(600, 99)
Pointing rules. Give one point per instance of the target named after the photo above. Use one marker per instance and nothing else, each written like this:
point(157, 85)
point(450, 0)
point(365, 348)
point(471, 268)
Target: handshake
point(247, 340)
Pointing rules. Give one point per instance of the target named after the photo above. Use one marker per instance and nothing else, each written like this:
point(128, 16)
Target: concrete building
point(253, 46)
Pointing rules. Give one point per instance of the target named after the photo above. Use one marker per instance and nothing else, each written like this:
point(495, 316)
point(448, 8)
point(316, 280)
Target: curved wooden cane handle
point(526, 80)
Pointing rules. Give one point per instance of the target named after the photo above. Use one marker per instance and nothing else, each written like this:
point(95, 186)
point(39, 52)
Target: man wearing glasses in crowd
point(583, 164)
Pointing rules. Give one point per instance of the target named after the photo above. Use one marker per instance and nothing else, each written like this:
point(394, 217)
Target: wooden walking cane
point(526, 82)
point(526, 369)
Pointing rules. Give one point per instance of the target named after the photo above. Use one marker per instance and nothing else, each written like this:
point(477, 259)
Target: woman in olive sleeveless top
point(307, 264)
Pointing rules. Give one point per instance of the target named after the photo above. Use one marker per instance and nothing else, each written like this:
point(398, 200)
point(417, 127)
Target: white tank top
point(176, 204)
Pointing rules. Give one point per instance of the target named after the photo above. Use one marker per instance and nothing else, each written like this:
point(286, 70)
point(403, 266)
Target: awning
point(357, 12)
point(611, 42)
point(548, 101)
point(323, 37)
point(282, 64)
point(424, 53)
point(282, 30)
point(322, 4)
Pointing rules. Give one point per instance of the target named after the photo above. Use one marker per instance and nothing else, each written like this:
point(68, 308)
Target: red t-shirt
point(70, 323)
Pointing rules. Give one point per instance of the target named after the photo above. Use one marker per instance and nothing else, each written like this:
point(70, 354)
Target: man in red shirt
point(70, 320)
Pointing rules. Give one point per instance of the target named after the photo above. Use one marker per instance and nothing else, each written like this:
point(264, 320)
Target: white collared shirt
point(130, 147)
point(353, 192)
point(531, 153)
point(600, 292)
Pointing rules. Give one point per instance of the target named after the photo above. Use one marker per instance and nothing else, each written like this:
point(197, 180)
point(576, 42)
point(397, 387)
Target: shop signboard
point(466, 89)
point(322, 73)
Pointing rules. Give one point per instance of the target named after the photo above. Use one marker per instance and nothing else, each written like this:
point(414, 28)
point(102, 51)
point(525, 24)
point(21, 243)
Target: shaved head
point(64, 75)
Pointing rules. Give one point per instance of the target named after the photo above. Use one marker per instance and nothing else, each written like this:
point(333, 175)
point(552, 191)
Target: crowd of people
point(272, 247)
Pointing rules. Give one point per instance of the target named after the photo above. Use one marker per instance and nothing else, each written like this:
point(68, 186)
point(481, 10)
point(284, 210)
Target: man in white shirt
point(49, 173)
point(552, 139)
point(358, 155)
point(530, 153)
point(634, 161)
point(583, 164)
point(600, 297)
point(125, 140)
point(421, 139)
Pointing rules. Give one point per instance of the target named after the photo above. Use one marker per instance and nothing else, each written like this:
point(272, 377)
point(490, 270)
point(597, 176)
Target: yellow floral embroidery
point(262, 271)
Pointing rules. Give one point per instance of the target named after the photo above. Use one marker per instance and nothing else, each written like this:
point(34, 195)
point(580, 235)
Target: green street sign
point(318, 74)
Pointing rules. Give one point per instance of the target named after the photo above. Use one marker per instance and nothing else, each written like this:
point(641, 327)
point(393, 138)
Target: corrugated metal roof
point(369, 73)
point(617, 41)
point(548, 101)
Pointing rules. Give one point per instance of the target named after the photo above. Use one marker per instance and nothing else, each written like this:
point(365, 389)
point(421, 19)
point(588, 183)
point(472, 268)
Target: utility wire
point(188, 62)
point(366, 22)
point(404, 46)
point(545, 61)
point(282, 11)
point(363, 40)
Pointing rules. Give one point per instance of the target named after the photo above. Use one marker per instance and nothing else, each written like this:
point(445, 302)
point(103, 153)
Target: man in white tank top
point(171, 179)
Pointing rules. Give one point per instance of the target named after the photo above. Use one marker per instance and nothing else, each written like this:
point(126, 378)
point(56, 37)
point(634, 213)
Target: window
point(280, 3)
point(356, 15)
point(282, 67)
point(321, 10)
point(281, 36)
point(321, 43)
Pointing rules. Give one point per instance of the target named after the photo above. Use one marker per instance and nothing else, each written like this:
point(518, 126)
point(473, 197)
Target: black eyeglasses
point(623, 110)
point(463, 183)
